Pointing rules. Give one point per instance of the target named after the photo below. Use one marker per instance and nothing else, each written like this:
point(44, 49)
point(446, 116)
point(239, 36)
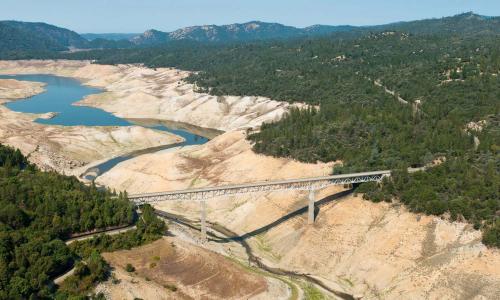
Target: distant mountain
point(51, 35)
point(236, 32)
point(463, 24)
point(28, 36)
point(249, 31)
point(151, 37)
point(108, 36)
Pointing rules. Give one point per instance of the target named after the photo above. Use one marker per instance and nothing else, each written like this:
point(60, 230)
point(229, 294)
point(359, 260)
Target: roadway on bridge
point(288, 184)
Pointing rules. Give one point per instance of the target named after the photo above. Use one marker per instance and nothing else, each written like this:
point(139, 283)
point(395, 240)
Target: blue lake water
point(62, 92)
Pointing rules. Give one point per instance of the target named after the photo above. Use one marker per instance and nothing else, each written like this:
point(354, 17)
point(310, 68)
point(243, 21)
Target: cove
point(60, 95)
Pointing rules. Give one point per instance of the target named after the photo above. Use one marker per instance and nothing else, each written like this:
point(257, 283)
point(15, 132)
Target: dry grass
point(189, 271)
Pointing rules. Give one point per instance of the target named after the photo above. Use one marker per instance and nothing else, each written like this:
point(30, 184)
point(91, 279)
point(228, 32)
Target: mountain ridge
point(39, 36)
point(252, 30)
point(463, 23)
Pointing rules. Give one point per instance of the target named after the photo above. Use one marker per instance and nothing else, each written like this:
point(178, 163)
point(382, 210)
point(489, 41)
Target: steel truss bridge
point(303, 184)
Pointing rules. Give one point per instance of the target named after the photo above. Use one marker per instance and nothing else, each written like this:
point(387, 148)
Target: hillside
point(151, 37)
point(463, 24)
point(15, 39)
point(18, 36)
point(365, 249)
point(39, 210)
point(61, 37)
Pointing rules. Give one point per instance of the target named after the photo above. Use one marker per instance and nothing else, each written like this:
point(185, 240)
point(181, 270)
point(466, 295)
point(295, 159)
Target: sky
point(134, 16)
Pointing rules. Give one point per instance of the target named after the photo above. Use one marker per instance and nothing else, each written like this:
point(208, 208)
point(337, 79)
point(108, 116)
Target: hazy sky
point(139, 15)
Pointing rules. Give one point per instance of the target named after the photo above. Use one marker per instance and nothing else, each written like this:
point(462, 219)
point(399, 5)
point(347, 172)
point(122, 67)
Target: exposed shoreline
point(12, 89)
point(65, 149)
point(142, 93)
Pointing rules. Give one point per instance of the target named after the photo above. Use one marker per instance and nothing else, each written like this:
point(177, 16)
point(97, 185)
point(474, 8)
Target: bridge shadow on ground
point(231, 236)
point(298, 212)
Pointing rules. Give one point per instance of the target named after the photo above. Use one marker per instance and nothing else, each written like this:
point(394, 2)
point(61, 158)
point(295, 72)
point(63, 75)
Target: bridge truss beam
point(209, 193)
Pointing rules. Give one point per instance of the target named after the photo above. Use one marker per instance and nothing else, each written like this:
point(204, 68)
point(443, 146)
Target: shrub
point(171, 287)
point(129, 268)
point(491, 235)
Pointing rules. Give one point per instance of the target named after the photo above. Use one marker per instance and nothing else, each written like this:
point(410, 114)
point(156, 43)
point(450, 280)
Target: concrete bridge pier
point(203, 221)
point(310, 210)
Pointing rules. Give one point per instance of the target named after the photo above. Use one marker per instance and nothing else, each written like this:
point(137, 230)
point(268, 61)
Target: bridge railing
point(314, 183)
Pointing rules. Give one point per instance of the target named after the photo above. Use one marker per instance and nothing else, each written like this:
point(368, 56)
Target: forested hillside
point(29, 37)
point(466, 24)
point(38, 211)
point(38, 36)
point(14, 39)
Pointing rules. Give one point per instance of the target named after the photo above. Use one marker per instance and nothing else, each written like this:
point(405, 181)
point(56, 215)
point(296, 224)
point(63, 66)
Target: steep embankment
point(362, 248)
point(139, 92)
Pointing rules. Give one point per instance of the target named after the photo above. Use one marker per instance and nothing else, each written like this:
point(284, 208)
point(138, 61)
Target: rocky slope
point(138, 92)
point(365, 249)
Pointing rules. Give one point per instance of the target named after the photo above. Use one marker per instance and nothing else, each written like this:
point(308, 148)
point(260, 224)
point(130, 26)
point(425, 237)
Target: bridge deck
point(297, 184)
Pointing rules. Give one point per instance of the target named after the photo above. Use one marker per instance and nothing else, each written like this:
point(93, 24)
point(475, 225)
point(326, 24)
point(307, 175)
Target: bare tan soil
point(197, 273)
point(224, 160)
point(15, 89)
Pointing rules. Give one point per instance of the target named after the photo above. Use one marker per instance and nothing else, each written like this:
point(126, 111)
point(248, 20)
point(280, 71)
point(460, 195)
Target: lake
point(62, 92)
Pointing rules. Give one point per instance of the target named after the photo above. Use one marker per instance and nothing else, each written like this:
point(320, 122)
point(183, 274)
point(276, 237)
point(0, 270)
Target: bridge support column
point(310, 211)
point(203, 221)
